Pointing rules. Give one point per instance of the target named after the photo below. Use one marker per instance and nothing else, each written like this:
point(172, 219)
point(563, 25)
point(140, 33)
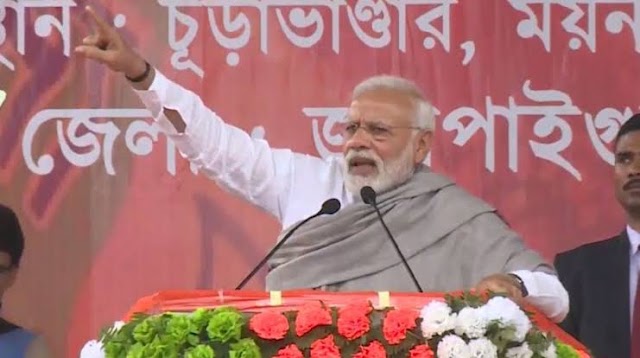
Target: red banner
point(529, 96)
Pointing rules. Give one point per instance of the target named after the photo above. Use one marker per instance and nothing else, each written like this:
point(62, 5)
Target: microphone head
point(330, 206)
point(368, 195)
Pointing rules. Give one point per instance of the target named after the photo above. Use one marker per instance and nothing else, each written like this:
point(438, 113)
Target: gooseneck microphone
point(369, 197)
point(329, 207)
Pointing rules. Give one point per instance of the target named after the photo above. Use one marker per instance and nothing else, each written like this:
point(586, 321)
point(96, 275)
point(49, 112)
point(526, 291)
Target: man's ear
point(423, 146)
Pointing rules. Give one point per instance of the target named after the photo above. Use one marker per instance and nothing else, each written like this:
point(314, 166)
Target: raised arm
point(243, 165)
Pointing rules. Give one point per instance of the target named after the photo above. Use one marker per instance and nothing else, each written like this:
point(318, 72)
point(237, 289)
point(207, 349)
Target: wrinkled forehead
point(628, 143)
point(390, 106)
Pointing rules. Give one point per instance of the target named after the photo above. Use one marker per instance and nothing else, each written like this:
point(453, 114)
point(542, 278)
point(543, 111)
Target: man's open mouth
point(362, 166)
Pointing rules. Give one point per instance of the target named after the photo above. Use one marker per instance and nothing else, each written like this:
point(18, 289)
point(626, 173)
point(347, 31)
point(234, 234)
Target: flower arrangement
point(460, 326)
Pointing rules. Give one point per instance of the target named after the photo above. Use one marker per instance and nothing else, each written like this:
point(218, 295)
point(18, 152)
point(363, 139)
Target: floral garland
point(461, 327)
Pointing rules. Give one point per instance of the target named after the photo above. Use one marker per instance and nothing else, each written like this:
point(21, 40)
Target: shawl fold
point(450, 238)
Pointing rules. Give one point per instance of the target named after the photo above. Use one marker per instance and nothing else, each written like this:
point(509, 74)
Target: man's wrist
point(520, 283)
point(143, 76)
point(139, 69)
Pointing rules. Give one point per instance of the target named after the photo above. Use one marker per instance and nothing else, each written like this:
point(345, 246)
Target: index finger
point(102, 26)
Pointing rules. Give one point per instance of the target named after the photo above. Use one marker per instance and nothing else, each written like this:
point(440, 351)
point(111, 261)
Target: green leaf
point(200, 351)
point(538, 342)
point(565, 351)
point(245, 348)
point(225, 325)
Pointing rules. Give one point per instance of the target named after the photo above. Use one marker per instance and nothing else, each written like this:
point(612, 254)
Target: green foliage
point(565, 351)
point(225, 325)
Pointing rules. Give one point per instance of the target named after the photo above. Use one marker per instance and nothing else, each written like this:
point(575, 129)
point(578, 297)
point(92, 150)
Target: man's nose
point(360, 140)
point(634, 167)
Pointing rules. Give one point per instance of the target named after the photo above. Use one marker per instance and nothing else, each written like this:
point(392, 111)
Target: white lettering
point(375, 12)
point(616, 20)
point(180, 57)
point(18, 8)
point(543, 127)
point(231, 24)
point(46, 23)
point(581, 11)
point(550, 121)
point(570, 23)
point(425, 24)
point(331, 116)
point(371, 21)
point(80, 121)
point(43, 25)
point(82, 133)
point(530, 26)
point(302, 20)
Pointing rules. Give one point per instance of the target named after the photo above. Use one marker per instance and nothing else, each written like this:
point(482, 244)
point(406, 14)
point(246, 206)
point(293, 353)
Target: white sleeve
point(546, 293)
point(245, 166)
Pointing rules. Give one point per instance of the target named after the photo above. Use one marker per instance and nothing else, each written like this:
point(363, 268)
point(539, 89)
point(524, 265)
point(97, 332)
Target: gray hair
point(423, 111)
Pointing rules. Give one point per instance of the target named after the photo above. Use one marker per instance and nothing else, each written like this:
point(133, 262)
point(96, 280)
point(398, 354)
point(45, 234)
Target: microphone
point(369, 197)
point(329, 207)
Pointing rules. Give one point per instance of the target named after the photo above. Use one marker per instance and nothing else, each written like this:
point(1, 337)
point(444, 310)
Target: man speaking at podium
point(448, 238)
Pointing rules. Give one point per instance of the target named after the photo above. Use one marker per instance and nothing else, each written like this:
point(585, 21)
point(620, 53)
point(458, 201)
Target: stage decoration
point(456, 325)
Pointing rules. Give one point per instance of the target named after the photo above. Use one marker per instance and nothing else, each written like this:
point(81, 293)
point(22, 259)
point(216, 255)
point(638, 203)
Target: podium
point(321, 324)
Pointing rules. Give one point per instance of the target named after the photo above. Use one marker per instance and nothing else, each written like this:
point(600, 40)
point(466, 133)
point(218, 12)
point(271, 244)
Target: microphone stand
point(369, 197)
point(329, 207)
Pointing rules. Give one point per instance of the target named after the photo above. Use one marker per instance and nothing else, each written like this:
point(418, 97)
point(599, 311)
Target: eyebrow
point(368, 121)
point(624, 154)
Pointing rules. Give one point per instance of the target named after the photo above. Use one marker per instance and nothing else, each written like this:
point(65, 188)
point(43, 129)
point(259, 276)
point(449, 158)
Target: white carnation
point(482, 348)
point(550, 352)
point(519, 352)
point(471, 322)
point(509, 314)
point(453, 347)
point(92, 349)
point(437, 319)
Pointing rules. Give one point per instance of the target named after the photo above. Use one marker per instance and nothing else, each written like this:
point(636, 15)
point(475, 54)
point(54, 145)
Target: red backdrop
point(529, 98)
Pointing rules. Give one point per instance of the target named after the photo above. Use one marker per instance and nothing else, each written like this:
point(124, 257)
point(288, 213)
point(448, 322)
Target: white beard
point(390, 174)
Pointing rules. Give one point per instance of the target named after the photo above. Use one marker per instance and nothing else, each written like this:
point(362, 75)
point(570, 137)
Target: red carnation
point(353, 322)
point(310, 317)
point(396, 324)
point(360, 308)
point(290, 351)
point(325, 348)
point(269, 325)
point(374, 350)
point(421, 351)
